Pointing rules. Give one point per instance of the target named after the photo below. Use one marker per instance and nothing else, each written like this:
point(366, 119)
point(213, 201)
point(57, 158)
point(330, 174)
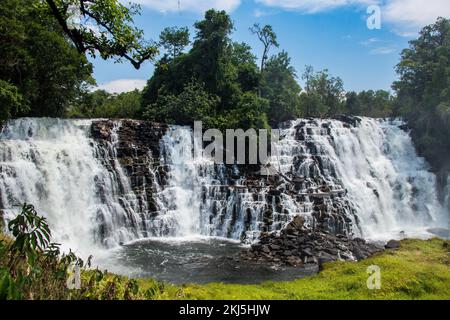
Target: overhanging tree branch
point(115, 37)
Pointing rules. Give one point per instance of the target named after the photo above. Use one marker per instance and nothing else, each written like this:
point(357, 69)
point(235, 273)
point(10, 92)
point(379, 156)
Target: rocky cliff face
point(132, 148)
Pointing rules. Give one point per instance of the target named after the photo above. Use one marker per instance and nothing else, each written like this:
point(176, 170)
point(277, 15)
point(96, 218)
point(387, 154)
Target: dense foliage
point(280, 88)
point(39, 70)
point(423, 92)
point(324, 94)
point(217, 81)
point(43, 67)
point(101, 104)
point(102, 27)
point(376, 104)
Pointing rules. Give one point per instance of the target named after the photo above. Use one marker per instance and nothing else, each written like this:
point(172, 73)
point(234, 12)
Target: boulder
point(298, 222)
point(392, 244)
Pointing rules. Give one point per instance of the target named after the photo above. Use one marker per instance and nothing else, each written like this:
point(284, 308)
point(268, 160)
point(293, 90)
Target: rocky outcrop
point(136, 147)
point(298, 245)
point(134, 137)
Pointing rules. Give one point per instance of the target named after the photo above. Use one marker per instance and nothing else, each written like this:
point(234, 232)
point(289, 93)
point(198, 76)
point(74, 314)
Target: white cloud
point(409, 16)
point(369, 42)
point(313, 6)
point(122, 85)
point(258, 13)
point(198, 6)
point(383, 50)
point(378, 46)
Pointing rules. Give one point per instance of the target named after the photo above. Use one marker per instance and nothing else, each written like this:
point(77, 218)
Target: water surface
point(197, 260)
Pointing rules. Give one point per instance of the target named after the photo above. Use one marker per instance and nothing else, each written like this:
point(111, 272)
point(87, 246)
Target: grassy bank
point(417, 270)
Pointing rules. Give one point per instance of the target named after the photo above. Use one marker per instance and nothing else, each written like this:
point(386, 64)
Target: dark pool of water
point(195, 261)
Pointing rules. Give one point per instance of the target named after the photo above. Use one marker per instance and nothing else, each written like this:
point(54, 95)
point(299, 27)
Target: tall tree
point(423, 91)
point(324, 93)
point(174, 40)
point(279, 86)
point(38, 66)
point(268, 38)
point(222, 73)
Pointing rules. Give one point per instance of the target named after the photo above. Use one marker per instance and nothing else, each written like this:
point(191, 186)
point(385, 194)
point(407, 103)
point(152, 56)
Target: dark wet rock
point(2, 221)
point(349, 120)
point(298, 243)
point(392, 244)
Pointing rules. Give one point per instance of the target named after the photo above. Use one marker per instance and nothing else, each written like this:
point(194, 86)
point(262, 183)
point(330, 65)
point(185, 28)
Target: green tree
point(423, 91)
point(268, 38)
point(46, 71)
point(174, 40)
point(223, 69)
point(101, 104)
point(377, 104)
point(324, 93)
point(280, 87)
point(191, 104)
point(244, 61)
point(11, 102)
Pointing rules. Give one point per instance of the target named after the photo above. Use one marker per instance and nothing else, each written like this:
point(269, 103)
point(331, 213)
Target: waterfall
point(201, 199)
point(390, 187)
point(363, 179)
point(49, 163)
point(179, 201)
point(54, 165)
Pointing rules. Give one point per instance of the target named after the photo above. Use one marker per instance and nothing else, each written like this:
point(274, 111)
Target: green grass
point(418, 270)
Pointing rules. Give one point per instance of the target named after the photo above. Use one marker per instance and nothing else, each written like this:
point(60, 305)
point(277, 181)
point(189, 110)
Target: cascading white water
point(54, 165)
point(198, 200)
point(180, 200)
point(390, 186)
point(202, 200)
point(49, 163)
point(84, 191)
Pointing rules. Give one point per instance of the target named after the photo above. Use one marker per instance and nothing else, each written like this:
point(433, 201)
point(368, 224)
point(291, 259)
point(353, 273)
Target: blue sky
point(327, 34)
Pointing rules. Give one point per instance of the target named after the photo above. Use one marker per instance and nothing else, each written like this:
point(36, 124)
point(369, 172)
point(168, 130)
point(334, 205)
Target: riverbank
point(419, 269)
